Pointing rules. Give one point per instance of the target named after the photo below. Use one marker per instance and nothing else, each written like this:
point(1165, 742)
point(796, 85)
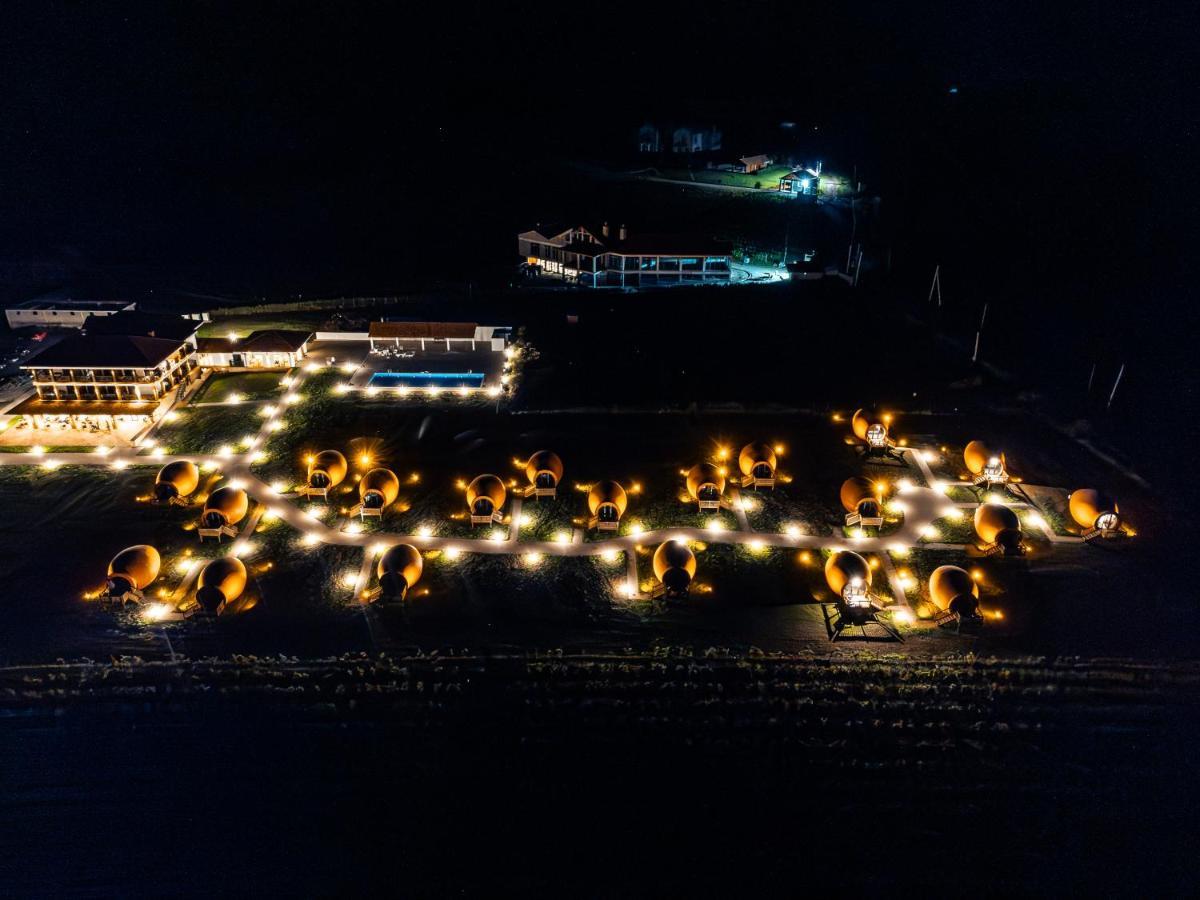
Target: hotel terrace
point(598, 258)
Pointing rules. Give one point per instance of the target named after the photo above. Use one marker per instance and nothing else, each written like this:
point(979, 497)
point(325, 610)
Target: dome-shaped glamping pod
point(860, 498)
point(871, 431)
point(757, 462)
point(220, 583)
point(705, 484)
point(378, 489)
point(1096, 513)
point(849, 577)
point(986, 465)
point(607, 502)
point(325, 470)
point(999, 529)
point(398, 569)
point(674, 567)
point(954, 591)
point(544, 471)
point(224, 508)
point(131, 572)
point(176, 481)
point(485, 497)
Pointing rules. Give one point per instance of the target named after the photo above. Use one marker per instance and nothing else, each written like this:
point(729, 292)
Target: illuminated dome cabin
point(485, 497)
point(175, 482)
point(377, 490)
point(849, 577)
point(955, 594)
point(1095, 513)
point(223, 510)
point(873, 432)
point(606, 502)
point(999, 529)
point(674, 567)
point(757, 462)
point(862, 502)
point(130, 573)
point(398, 569)
point(987, 466)
point(326, 470)
point(705, 485)
point(544, 471)
point(221, 582)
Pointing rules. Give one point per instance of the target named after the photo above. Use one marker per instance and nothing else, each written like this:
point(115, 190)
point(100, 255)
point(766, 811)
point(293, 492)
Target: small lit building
point(1096, 513)
point(268, 349)
point(604, 257)
point(757, 462)
point(606, 503)
point(988, 467)
point(485, 498)
point(706, 485)
point(61, 313)
point(802, 183)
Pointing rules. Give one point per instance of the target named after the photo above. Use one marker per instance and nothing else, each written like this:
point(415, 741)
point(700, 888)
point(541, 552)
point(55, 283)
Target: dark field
point(622, 773)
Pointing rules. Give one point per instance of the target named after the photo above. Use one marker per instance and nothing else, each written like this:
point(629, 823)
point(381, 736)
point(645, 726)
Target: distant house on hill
point(750, 164)
point(683, 138)
point(801, 183)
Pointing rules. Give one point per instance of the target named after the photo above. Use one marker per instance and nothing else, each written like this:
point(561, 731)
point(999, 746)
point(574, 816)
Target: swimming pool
point(427, 379)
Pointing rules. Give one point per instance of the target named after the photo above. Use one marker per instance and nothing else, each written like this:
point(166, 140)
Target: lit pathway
point(922, 506)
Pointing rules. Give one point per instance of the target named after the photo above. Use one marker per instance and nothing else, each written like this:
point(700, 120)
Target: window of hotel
point(669, 264)
point(649, 262)
point(691, 264)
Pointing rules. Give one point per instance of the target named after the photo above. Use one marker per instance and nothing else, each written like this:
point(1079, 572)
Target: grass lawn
point(764, 179)
point(206, 430)
point(248, 385)
point(244, 325)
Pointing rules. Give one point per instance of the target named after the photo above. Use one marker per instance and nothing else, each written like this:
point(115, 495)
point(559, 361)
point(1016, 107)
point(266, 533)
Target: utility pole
point(979, 333)
point(1115, 383)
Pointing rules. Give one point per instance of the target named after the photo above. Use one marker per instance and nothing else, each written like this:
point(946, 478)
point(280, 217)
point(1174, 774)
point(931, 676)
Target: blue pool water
point(427, 379)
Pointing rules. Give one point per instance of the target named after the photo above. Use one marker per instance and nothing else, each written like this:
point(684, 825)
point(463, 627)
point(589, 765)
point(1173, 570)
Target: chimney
point(621, 233)
point(604, 229)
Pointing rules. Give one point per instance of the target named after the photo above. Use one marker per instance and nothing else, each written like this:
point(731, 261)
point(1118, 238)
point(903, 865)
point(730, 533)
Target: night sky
point(228, 150)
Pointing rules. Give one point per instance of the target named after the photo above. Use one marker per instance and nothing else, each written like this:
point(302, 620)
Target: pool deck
point(486, 363)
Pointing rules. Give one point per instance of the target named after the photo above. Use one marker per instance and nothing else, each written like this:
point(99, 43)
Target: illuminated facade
point(600, 258)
